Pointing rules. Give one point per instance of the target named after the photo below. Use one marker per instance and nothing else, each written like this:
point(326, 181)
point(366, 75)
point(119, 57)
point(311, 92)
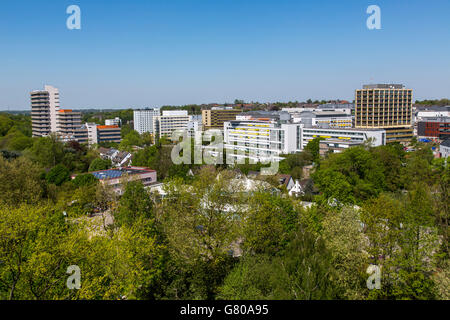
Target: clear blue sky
point(171, 52)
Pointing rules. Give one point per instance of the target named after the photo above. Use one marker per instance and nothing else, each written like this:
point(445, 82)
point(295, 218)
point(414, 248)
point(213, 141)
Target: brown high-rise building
point(386, 106)
point(214, 118)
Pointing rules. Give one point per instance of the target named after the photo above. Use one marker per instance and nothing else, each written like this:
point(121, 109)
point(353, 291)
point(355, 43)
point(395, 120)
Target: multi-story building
point(194, 125)
point(109, 134)
point(215, 117)
point(325, 119)
point(113, 122)
point(260, 136)
point(431, 112)
point(68, 121)
point(424, 113)
point(336, 145)
point(143, 120)
point(377, 136)
point(170, 121)
point(91, 129)
point(47, 118)
point(93, 133)
point(438, 128)
point(115, 177)
point(44, 108)
point(81, 135)
point(346, 108)
point(385, 106)
point(444, 148)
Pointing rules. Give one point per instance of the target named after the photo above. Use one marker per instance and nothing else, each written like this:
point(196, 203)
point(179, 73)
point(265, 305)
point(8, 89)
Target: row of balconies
point(40, 121)
point(69, 123)
point(396, 93)
point(383, 106)
point(391, 115)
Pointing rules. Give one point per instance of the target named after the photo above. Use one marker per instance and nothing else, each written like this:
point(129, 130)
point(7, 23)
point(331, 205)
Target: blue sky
point(173, 52)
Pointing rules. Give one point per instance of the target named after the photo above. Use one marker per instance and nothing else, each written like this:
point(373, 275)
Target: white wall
point(54, 106)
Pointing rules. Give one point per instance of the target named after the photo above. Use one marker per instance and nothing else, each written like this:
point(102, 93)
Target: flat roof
point(350, 141)
point(435, 119)
point(108, 127)
point(446, 142)
point(117, 173)
point(346, 129)
point(384, 86)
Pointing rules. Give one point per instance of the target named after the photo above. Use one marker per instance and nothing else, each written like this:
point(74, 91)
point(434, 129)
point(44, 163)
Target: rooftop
point(331, 106)
point(108, 127)
point(432, 108)
point(435, 119)
point(446, 143)
point(321, 113)
point(267, 115)
point(346, 129)
point(117, 173)
point(222, 108)
point(383, 86)
point(341, 141)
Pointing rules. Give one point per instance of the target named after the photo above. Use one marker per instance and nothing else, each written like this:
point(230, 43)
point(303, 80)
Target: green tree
point(6, 123)
point(403, 243)
point(38, 244)
point(100, 164)
point(47, 151)
point(84, 180)
point(343, 235)
point(132, 138)
point(313, 147)
point(268, 223)
point(351, 176)
point(58, 175)
point(391, 158)
point(208, 214)
point(303, 272)
point(333, 185)
point(20, 181)
point(135, 203)
point(31, 264)
point(15, 140)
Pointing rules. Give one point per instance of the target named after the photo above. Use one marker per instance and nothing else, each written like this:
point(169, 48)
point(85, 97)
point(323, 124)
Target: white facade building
point(329, 107)
point(113, 122)
point(261, 140)
point(143, 120)
point(54, 106)
point(92, 133)
point(378, 136)
point(170, 121)
point(44, 111)
point(444, 148)
point(330, 119)
point(432, 114)
point(194, 125)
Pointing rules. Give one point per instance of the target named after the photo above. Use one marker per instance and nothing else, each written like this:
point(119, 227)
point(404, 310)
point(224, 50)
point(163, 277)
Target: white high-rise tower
point(44, 109)
point(143, 120)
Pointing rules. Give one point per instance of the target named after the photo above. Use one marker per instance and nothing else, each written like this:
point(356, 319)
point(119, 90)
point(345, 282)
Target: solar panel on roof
point(116, 173)
point(109, 174)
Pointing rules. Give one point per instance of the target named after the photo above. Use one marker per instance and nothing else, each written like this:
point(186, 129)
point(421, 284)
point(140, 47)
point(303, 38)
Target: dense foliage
point(208, 235)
